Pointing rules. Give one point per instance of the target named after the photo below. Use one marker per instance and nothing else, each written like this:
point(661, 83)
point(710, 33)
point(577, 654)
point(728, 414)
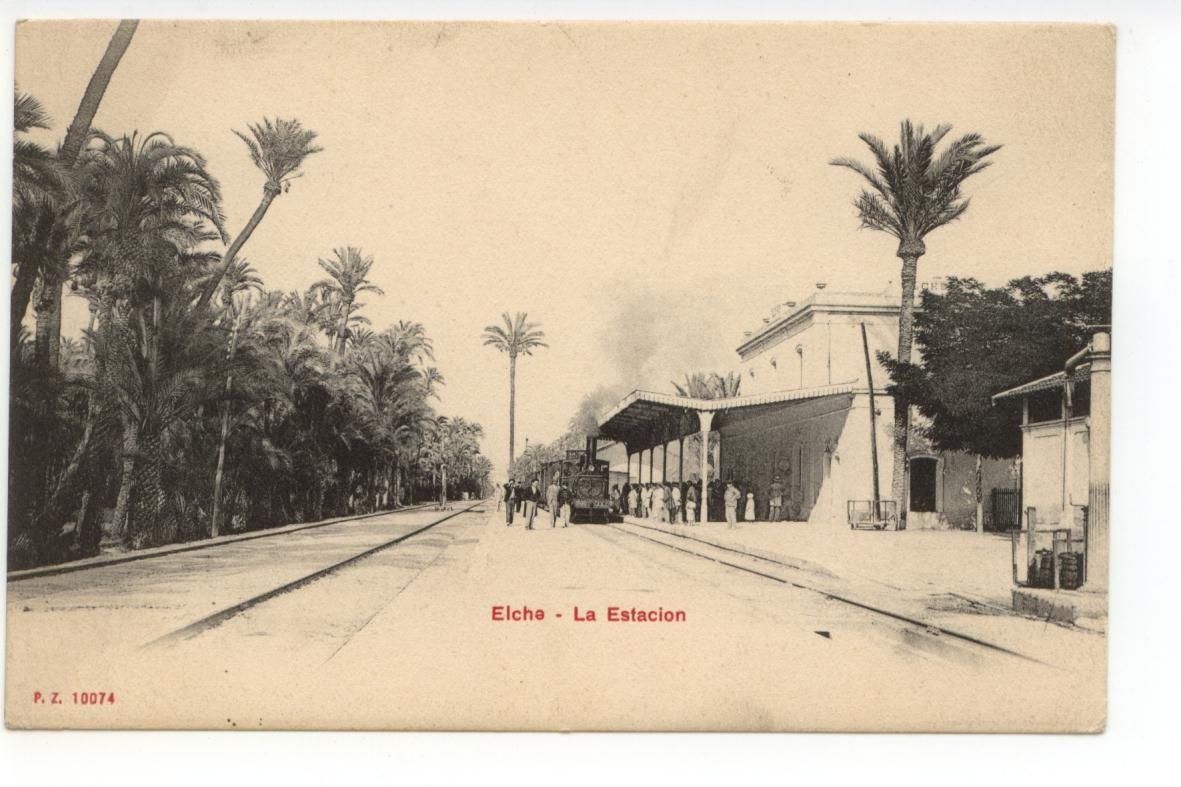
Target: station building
point(804, 415)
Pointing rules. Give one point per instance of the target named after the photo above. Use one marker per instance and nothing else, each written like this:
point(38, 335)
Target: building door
point(922, 484)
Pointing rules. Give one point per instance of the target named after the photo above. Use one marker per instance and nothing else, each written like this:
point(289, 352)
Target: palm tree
point(32, 165)
point(454, 442)
point(307, 308)
point(146, 203)
point(408, 340)
point(49, 316)
point(279, 150)
point(38, 190)
point(515, 336)
point(912, 192)
point(239, 277)
point(348, 277)
point(700, 385)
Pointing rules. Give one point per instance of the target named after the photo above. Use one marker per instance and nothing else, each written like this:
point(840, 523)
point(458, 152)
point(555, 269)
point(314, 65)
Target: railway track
point(775, 570)
point(221, 616)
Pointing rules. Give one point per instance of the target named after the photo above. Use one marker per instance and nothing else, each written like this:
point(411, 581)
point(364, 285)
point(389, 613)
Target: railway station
point(809, 372)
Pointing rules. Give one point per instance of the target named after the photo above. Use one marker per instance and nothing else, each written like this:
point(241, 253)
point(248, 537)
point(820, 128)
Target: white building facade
point(804, 417)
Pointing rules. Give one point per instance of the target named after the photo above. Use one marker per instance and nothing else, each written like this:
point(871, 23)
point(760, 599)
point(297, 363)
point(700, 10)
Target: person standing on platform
point(510, 501)
point(675, 514)
point(551, 499)
point(691, 504)
point(731, 499)
point(564, 506)
point(775, 500)
point(633, 499)
point(750, 507)
point(531, 496)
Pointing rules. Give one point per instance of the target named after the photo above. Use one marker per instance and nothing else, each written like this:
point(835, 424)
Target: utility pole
point(873, 423)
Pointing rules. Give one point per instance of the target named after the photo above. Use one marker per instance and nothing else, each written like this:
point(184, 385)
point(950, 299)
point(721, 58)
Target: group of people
point(523, 499)
point(667, 502)
point(678, 503)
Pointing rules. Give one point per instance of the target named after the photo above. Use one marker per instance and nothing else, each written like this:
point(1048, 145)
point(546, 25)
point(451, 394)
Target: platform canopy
point(645, 419)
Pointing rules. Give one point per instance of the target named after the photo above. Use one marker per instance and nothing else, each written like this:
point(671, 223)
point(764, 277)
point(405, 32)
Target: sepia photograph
point(560, 376)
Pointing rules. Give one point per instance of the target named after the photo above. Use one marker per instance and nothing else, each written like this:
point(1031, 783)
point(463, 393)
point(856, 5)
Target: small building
point(1065, 450)
point(1055, 454)
point(804, 417)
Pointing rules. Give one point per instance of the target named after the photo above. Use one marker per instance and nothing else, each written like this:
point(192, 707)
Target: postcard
point(560, 376)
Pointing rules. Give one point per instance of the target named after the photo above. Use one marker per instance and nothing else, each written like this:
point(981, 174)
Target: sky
point(646, 192)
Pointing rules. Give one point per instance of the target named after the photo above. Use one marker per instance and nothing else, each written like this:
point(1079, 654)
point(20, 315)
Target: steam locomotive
point(585, 479)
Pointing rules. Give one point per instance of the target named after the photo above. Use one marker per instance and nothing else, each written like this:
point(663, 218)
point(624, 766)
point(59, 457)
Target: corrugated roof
point(1056, 380)
point(643, 413)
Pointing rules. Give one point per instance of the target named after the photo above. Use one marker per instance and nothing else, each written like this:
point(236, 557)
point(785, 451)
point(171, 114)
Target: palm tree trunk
point(215, 521)
point(269, 192)
point(979, 494)
point(49, 336)
point(215, 524)
point(22, 291)
point(123, 500)
point(36, 259)
point(80, 127)
point(344, 327)
point(512, 410)
point(44, 308)
point(910, 264)
point(64, 487)
point(149, 523)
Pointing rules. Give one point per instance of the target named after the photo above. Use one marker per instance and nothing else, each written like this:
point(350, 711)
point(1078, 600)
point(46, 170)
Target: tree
point(913, 191)
point(39, 191)
point(701, 385)
point(975, 341)
point(454, 447)
point(348, 273)
point(239, 277)
point(49, 313)
point(279, 149)
point(515, 336)
point(147, 203)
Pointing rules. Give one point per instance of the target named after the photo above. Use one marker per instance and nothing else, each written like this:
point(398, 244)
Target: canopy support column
point(705, 417)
